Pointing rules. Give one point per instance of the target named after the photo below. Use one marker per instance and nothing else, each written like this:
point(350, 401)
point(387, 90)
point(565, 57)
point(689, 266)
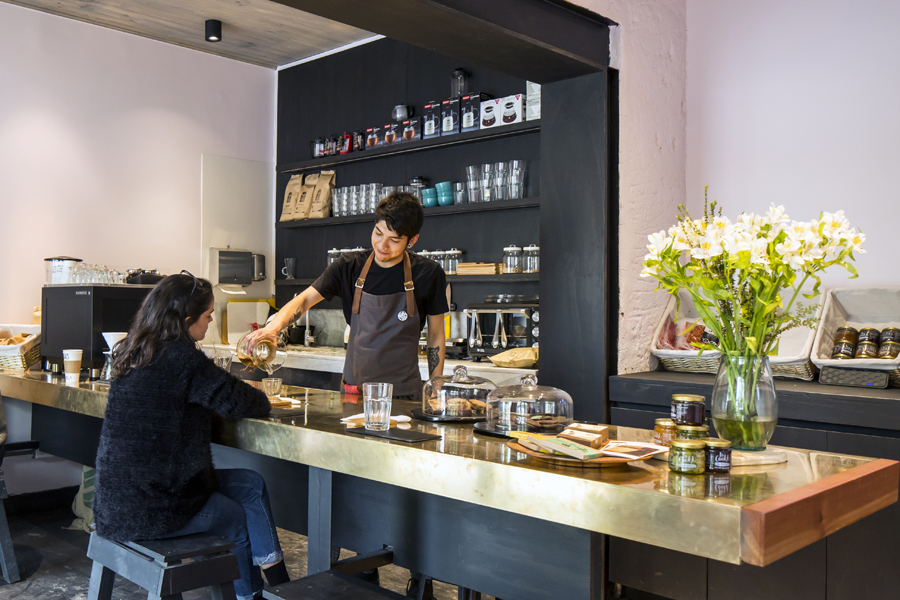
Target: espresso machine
point(74, 317)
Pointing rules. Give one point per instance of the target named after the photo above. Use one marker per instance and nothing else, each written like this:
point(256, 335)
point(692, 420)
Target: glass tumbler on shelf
point(374, 196)
point(336, 202)
point(517, 179)
point(512, 259)
point(460, 195)
point(487, 189)
point(474, 191)
point(473, 173)
point(500, 189)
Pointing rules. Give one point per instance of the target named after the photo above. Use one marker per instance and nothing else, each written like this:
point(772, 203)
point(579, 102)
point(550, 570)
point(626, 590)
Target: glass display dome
point(456, 395)
point(529, 407)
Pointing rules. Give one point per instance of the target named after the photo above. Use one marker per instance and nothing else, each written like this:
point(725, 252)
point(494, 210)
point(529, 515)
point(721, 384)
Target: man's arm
point(436, 345)
point(291, 311)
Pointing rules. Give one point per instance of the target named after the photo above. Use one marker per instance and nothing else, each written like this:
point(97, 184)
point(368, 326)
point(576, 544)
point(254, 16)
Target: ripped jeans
point(240, 512)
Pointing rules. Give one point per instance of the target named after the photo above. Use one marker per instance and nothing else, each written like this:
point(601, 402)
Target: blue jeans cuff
point(267, 560)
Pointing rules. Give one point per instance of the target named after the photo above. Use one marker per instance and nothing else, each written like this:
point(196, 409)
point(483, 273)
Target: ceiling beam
point(537, 40)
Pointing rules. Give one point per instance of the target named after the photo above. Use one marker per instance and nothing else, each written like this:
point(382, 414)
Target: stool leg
point(152, 596)
point(224, 591)
point(7, 554)
point(101, 585)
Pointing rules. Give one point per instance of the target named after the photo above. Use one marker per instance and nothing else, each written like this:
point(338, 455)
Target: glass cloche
point(456, 395)
point(529, 407)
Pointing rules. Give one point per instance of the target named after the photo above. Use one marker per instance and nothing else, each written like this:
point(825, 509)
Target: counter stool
point(338, 583)
point(7, 555)
point(165, 568)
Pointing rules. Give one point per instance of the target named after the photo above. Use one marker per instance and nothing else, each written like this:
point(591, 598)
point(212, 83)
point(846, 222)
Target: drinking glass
point(377, 405)
point(473, 173)
point(336, 202)
point(387, 191)
point(288, 270)
point(272, 386)
point(354, 199)
point(474, 188)
point(517, 179)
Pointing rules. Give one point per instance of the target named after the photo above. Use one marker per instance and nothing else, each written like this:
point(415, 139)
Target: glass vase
point(744, 406)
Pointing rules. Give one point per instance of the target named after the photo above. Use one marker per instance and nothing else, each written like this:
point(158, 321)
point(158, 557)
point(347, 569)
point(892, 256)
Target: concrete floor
point(54, 566)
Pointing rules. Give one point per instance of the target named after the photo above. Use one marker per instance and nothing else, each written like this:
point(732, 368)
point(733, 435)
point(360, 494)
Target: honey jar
point(869, 334)
point(866, 350)
point(889, 350)
point(664, 432)
point(843, 350)
point(890, 334)
point(846, 334)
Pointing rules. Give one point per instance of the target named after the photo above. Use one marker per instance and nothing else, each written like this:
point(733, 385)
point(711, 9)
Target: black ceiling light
point(213, 30)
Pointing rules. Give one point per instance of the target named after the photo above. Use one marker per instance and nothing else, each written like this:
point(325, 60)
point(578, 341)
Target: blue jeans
point(240, 512)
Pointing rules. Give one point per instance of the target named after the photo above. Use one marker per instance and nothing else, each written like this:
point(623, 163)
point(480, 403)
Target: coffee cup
point(72, 362)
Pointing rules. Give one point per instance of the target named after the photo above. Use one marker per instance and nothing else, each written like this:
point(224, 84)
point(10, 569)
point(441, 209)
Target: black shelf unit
point(429, 212)
point(409, 147)
point(511, 278)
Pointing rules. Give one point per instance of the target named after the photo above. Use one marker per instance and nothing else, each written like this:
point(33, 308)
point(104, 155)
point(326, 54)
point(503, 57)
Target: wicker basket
point(24, 355)
point(793, 361)
point(858, 307)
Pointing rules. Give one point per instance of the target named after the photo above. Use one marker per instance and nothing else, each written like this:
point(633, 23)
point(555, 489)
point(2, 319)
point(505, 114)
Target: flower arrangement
point(744, 278)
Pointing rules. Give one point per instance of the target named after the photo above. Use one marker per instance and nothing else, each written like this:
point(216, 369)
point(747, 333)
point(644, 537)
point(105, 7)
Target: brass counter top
point(738, 516)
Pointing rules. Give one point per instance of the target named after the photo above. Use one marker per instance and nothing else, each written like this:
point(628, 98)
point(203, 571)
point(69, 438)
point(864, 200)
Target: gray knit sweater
point(154, 466)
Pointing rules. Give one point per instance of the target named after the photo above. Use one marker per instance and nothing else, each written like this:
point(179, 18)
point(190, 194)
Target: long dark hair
point(165, 315)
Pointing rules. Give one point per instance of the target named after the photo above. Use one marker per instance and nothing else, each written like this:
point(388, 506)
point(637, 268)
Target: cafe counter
point(467, 509)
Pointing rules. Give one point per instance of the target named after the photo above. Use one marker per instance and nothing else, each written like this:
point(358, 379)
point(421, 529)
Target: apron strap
point(408, 286)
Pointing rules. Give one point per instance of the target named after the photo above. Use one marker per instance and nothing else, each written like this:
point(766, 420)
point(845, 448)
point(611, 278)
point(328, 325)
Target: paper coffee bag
point(290, 197)
point(304, 201)
point(321, 202)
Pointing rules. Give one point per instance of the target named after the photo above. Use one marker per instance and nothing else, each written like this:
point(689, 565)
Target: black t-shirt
point(430, 282)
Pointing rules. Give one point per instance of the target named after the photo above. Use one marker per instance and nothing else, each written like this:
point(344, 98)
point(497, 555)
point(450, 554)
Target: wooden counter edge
point(773, 528)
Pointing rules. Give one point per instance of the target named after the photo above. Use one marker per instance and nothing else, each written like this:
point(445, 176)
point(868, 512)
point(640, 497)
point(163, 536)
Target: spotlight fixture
point(213, 30)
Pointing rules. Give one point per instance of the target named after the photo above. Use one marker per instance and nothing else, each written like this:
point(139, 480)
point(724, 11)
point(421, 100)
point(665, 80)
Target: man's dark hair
point(402, 212)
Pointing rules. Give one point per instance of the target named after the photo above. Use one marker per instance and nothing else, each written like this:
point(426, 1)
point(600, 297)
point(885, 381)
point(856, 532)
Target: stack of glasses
point(356, 199)
point(496, 181)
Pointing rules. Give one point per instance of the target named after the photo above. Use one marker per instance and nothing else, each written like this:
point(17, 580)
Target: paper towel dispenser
point(228, 266)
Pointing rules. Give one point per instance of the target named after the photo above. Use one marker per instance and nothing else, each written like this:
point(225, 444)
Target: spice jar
point(512, 259)
point(687, 456)
point(718, 455)
point(889, 350)
point(866, 350)
point(688, 409)
point(846, 334)
point(890, 334)
point(663, 432)
point(691, 432)
point(869, 334)
point(843, 350)
point(453, 256)
point(532, 259)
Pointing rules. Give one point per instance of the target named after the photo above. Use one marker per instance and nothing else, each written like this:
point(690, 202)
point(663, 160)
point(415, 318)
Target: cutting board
point(242, 314)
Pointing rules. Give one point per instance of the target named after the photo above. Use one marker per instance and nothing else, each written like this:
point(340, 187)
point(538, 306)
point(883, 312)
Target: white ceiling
point(259, 32)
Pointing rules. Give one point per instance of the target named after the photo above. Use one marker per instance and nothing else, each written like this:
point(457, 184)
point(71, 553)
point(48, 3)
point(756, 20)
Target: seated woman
point(155, 475)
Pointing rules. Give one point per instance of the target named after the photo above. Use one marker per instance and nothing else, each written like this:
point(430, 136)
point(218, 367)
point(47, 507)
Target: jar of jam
point(866, 350)
point(687, 457)
point(889, 350)
point(664, 432)
point(846, 334)
point(890, 334)
point(843, 350)
point(718, 485)
point(869, 334)
point(688, 409)
point(718, 455)
point(688, 486)
point(691, 432)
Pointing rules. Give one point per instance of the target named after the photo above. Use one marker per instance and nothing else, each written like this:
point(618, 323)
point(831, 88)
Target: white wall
point(101, 137)
point(796, 103)
point(652, 56)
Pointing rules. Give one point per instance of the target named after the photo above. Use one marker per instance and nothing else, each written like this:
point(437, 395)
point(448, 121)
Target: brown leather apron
point(384, 337)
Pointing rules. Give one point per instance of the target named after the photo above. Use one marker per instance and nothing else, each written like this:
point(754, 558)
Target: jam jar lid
point(512, 249)
point(693, 427)
point(687, 444)
point(532, 247)
point(716, 442)
point(529, 391)
point(847, 328)
point(688, 398)
point(665, 422)
point(883, 330)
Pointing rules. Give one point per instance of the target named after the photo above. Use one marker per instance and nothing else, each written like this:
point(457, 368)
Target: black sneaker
point(412, 589)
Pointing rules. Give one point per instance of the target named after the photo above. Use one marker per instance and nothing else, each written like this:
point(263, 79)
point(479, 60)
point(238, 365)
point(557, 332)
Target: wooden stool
point(339, 583)
point(158, 567)
point(7, 555)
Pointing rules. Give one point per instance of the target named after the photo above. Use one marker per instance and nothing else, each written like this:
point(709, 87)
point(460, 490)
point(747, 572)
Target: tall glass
point(377, 405)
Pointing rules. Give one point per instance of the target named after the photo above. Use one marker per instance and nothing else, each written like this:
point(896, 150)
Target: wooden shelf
point(517, 278)
point(417, 146)
point(435, 211)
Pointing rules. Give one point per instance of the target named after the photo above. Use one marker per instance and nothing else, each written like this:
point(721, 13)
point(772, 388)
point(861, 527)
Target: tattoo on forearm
point(434, 359)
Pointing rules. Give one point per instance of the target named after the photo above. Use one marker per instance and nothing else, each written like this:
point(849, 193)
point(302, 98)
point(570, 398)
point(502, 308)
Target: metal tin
point(843, 350)
point(866, 350)
point(846, 334)
point(889, 350)
point(718, 455)
point(688, 409)
point(869, 334)
point(664, 432)
point(687, 457)
point(691, 432)
point(890, 334)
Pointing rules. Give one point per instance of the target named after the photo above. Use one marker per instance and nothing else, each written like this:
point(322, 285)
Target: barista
point(388, 294)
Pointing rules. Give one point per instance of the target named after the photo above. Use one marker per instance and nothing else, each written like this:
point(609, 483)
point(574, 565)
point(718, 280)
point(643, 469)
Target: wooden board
point(594, 463)
point(774, 528)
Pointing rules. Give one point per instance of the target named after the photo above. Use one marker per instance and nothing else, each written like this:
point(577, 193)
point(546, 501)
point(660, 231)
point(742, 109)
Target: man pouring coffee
point(387, 294)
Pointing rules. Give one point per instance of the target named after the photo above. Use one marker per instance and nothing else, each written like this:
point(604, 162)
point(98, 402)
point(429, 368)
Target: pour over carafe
point(262, 354)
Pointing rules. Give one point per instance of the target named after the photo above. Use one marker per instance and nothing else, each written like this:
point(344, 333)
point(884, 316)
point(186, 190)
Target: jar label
point(843, 350)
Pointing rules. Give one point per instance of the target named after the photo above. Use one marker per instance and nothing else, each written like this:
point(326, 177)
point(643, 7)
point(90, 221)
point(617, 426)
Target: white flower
point(658, 242)
point(856, 240)
point(811, 251)
point(708, 248)
point(682, 241)
point(788, 247)
point(648, 272)
point(736, 242)
point(801, 231)
point(831, 250)
point(775, 216)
